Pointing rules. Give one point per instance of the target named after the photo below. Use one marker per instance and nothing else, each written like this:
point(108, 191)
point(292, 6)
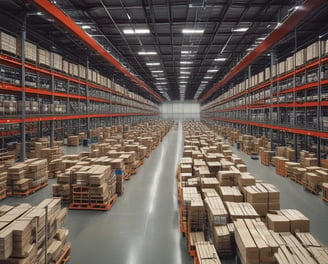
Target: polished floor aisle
point(142, 226)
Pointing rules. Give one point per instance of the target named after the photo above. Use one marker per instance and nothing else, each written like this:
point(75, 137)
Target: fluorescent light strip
point(183, 77)
point(212, 70)
point(156, 71)
point(207, 77)
point(185, 62)
point(220, 59)
point(192, 31)
point(185, 72)
point(241, 29)
point(135, 31)
point(147, 53)
point(153, 63)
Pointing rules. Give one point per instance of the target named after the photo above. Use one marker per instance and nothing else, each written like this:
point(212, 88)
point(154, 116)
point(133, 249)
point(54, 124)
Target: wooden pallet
point(66, 255)
point(94, 206)
point(28, 192)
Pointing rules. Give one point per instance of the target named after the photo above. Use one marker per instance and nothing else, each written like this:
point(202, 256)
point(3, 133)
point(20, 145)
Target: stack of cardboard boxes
point(23, 177)
point(22, 233)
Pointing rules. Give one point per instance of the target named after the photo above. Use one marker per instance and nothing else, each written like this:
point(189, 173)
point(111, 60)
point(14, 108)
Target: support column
point(22, 125)
point(52, 122)
point(319, 127)
point(87, 93)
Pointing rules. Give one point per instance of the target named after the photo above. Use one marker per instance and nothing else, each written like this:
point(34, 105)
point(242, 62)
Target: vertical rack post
point(52, 122)
point(295, 137)
point(23, 97)
point(319, 127)
point(87, 93)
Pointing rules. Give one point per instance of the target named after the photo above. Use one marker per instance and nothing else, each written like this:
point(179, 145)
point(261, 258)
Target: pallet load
point(216, 213)
point(22, 235)
point(254, 241)
point(223, 241)
point(230, 194)
point(241, 210)
point(263, 197)
point(28, 177)
point(266, 156)
point(291, 250)
point(73, 141)
point(93, 188)
point(288, 220)
point(206, 254)
point(3, 182)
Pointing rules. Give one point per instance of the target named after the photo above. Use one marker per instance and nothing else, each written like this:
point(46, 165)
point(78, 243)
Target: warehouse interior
point(158, 131)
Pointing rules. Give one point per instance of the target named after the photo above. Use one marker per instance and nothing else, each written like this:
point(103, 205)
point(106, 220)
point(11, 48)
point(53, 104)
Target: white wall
point(180, 110)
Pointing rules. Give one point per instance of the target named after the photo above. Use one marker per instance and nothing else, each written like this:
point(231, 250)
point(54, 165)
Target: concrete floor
point(143, 224)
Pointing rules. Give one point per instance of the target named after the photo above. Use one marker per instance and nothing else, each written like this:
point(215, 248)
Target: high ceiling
point(189, 63)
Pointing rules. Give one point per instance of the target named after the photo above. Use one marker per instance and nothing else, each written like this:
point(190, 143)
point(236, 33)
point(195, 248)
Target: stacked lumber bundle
point(3, 182)
point(266, 156)
point(92, 185)
point(245, 179)
point(216, 212)
point(33, 148)
point(71, 160)
point(51, 153)
point(55, 167)
point(308, 159)
point(255, 242)
point(281, 167)
point(23, 177)
point(292, 251)
point(288, 220)
point(22, 233)
point(73, 141)
point(226, 177)
point(230, 194)
point(223, 238)
point(241, 210)
point(196, 213)
point(209, 183)
point(291, 168)
point(206, 253)
point(263, 197)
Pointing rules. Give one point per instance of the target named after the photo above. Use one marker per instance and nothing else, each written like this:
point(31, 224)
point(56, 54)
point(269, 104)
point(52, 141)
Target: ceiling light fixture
point(183, 77)
point(147, 53)
point(135, 31)
point(241, 29)
point(212, 70)
point(85, 27)
point(153, 64)
point(185, 62)
point(207, 77)
point(185, 72)
point(186, 52)
point(156, 71)
point(220, 59)
point(192, 31)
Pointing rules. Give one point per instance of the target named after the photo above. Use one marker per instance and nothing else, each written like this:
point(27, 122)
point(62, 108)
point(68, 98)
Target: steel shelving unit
point(287, 101)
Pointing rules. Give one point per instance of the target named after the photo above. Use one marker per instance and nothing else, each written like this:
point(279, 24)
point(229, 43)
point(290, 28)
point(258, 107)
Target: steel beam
point(69, 24)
